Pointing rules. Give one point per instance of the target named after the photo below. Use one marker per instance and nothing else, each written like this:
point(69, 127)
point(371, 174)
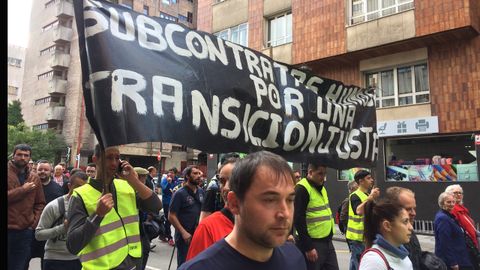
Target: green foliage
point(45, 144)
point(15, 116)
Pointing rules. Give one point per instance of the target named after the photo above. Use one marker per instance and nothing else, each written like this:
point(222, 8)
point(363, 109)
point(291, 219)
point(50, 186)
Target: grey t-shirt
point(56, 236)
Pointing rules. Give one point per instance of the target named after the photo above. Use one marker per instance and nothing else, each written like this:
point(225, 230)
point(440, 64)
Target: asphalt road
point(159, 257)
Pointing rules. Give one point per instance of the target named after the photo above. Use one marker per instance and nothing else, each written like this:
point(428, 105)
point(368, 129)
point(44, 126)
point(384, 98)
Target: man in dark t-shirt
point(185, 211)
point(262, 192)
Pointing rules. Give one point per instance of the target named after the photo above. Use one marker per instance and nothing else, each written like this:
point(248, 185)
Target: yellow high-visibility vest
point(355, 222)
point(119, 231)
point(318, 215)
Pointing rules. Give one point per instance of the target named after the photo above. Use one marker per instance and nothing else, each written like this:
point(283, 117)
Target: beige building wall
point(56, 101)
point(16, 67)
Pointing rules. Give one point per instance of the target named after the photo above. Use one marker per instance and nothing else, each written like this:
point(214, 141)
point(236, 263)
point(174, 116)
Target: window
point(399, 86)
point(366, 10)
point(168, 17)
point(41, 126)
point(42, 100)
point(12, 61)
point(51, 3)
point(237, 34)
point(12, 90)
point(166, 2)
point(431, 159)
point(50, 26)
point(189, 17)
point(145, 10)
point(280, 30)
point(182, 18)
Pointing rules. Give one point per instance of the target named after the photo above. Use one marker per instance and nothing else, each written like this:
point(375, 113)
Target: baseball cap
point(141, 171)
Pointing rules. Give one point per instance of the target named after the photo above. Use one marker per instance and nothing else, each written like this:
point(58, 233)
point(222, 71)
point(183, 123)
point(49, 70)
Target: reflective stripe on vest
point(119, 231)
point(318, 215)
point(355, 222)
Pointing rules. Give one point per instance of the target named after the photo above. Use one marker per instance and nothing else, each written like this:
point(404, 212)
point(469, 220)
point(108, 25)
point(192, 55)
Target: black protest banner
point(149, 79)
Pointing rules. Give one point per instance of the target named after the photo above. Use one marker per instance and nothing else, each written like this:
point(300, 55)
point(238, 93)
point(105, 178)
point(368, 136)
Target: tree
point(15, 116)
point(45, 144)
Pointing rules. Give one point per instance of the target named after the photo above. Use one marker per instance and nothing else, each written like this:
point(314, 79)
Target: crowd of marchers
point(256, 213)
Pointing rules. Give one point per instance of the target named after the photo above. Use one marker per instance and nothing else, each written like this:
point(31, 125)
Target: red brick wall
point(204, 15)
point(318, 29)
point(255, 24)
point(346, 73)
point(435, 16)
point(454, 75)
point(475, 14)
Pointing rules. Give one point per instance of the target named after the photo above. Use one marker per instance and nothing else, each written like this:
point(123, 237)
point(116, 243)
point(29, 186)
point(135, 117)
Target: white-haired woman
point(462, 215)
point(450, 243)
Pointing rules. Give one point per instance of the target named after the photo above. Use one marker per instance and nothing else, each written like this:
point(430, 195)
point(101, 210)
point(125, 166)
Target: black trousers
point(327, 257)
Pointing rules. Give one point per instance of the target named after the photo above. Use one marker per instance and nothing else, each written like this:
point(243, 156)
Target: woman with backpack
point(387, 228)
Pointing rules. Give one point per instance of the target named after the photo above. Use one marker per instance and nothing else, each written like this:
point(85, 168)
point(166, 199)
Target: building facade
point(423, 58)
point(16, 67)
point(53, 97)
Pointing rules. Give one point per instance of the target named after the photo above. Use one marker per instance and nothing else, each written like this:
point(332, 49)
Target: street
point(160, 257)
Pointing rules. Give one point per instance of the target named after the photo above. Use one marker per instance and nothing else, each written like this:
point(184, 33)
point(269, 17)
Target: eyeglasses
point(457, 192)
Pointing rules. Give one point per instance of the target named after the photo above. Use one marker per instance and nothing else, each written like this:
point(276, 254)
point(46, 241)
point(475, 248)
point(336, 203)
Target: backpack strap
point(61, 209)
point(376, 250)
point(61, 205)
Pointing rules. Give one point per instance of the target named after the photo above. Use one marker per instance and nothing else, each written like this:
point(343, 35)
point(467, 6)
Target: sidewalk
point(427, 242)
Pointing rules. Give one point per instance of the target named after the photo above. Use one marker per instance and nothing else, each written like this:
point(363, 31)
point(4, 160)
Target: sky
point(19, 21)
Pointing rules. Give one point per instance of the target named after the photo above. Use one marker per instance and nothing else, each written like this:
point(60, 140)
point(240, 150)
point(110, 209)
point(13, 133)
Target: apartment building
point(16, 67)
point(423, 58)
point(53, 97)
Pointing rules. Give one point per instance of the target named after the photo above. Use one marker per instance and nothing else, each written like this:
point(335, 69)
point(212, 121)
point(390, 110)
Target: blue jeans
point(357, 248)
point(19, 245)
point(182, 249)
point(168, 231)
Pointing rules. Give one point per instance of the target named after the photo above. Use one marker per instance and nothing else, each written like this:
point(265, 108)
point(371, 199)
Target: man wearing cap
point(358, 199)
point(152, 172)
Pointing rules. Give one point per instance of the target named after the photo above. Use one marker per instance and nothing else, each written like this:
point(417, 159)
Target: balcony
point(62, 34)
point(57, 86)
point(64, 9)
point(60, 60)
point(56, 113)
